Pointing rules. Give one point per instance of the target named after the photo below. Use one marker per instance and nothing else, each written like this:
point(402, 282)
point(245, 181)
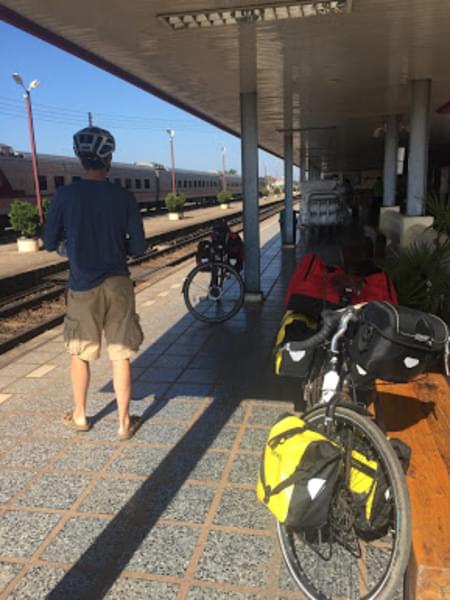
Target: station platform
point(171, 513)
point(13, 263)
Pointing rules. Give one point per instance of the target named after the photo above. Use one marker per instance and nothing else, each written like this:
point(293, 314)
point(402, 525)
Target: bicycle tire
point(387, 585)
point(209, 312)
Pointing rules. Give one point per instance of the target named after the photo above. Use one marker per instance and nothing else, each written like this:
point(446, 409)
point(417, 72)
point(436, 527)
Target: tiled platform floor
point(171, 514)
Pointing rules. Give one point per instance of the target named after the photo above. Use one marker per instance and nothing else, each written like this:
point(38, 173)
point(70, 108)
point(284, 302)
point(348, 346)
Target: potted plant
point(224, 198)
point(24, 219)
point(174, 204)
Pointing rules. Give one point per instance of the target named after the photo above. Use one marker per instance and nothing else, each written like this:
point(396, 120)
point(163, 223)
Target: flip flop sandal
point(135, 423)
point(68, 421)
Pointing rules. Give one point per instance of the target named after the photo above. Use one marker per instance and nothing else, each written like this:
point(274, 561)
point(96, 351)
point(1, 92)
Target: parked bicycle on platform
point(214, 290)
point(333, 478)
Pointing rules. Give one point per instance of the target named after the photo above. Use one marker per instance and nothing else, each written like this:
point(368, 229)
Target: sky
point(70, 88)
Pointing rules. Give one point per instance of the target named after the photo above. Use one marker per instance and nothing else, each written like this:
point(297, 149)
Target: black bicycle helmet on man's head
point(94, 147)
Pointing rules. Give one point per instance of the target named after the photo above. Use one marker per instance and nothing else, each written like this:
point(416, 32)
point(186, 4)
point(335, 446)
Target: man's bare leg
point(122, 388)
point(81, 375)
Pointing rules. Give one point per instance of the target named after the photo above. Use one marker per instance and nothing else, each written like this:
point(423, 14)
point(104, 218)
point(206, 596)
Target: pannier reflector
point(411, 362)
point(314, 486)
point(296, 355)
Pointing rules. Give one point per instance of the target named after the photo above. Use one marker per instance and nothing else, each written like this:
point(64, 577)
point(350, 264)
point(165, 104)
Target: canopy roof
point(331, 78)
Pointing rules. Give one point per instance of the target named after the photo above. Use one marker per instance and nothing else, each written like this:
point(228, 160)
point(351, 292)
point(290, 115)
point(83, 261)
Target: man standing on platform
point(101, 224)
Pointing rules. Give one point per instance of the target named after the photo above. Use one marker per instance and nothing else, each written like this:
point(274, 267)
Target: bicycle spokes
point(214, 294)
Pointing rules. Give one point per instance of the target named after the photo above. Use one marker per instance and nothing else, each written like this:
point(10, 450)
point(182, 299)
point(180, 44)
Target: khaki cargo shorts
point(111, 308)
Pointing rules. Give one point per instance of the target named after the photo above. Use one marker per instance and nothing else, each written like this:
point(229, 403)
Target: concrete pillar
point(443, 181)
point(314, 172)
point(249, 154)
point(390, 161)
point(288, 181)
point(418, 147)
point(249, 149)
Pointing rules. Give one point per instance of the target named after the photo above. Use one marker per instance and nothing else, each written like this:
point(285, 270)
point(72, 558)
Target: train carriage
point(149, 182)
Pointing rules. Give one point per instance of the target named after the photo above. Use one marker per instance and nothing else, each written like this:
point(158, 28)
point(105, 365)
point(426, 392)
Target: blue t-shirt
point(101, 223)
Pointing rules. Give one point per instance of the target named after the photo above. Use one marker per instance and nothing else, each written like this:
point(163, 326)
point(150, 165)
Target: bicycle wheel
point(213, 292)
point(335, 562)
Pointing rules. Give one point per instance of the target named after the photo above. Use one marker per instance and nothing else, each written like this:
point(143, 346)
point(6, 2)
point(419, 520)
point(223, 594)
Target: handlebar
point(331, 321)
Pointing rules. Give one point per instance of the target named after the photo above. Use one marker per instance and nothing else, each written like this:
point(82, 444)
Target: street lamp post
point(171, 134)
point(224, 177)
point(33, 85)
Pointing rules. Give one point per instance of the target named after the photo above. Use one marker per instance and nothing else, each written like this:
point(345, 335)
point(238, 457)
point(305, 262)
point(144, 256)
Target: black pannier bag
point(204, 252)
point(235, 250)
point(395, 343)
point(291, 361)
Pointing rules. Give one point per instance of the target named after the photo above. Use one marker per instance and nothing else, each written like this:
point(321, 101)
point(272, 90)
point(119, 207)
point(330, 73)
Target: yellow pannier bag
point(290, 359)
point(372, 506)
point(299, 471)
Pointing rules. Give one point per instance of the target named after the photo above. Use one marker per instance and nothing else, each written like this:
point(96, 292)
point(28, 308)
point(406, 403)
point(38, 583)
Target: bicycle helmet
point(94, 145)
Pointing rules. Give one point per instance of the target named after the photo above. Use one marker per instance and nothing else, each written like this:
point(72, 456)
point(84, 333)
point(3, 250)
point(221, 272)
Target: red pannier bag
point(312, 287)
point(313, 278)
point(377, 286)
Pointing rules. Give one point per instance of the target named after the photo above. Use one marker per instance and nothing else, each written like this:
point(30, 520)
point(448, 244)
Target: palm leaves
point(421, 275)
point(439, 206)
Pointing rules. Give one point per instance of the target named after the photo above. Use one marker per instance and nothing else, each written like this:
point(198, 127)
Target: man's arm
point(136, 243)
point(54, 226)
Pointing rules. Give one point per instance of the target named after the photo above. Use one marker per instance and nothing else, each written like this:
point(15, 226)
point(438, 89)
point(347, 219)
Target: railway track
point(32, 311)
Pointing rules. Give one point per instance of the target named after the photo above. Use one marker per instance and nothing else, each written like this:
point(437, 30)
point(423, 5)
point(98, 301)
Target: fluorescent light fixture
point(282, 12)
point(264, 13)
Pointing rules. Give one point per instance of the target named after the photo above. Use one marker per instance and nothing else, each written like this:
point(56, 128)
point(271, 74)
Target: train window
point(128, 183)
point(195, 183)
point(76, 178)
point(59, 180)
point(42, 182)
point(147, 184)
point(117, 181)
point(185, 183)
point(138, 184)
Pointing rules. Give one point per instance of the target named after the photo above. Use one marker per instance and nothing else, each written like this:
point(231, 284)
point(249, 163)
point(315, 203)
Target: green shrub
point(24, 218)
point(175, 202)
point(45, 207)
point(439, 207)
point(224, 197)
point(420, 274)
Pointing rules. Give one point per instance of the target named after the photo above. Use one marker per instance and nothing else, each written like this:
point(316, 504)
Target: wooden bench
point(418, 413)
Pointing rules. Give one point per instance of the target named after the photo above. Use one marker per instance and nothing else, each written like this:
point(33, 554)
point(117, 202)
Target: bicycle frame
point(332, 377)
